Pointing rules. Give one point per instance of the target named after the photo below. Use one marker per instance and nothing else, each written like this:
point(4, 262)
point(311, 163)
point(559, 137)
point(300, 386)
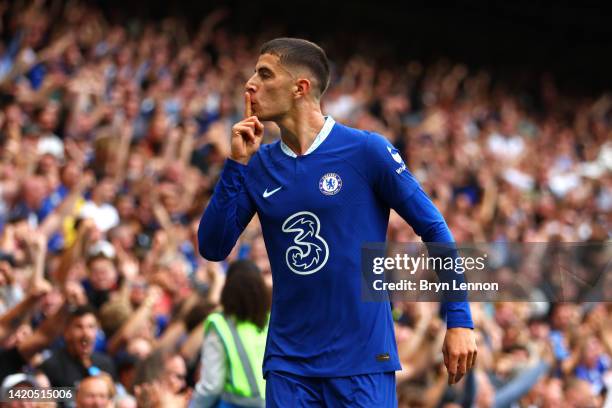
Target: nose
point(250, 85)
point(250, 88)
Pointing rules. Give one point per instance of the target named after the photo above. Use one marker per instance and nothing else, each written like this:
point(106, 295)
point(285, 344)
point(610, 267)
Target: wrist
point(242, 160)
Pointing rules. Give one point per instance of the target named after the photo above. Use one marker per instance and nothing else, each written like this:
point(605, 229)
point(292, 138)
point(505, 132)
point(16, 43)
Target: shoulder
point(377, 142)
point(345, 132)
point(213, 319)
point(102, 359)
point(105, 363)
point(365, 139)
point(54, 361)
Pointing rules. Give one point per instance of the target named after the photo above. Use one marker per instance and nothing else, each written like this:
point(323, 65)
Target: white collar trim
point(325, 131)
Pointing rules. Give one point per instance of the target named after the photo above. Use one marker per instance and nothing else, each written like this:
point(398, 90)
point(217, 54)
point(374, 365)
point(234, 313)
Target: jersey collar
point(325, 130)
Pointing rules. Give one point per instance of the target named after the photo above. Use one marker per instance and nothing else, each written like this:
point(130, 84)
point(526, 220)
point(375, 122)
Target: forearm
point(171, 335)
point(224, 218)
point(50, 329)
point(213, 371)
point(55, 219)
point(455, 307)
point(130, 328)
point(190, 347)
point(520, 385)
point(53, 326)
point(13, 318)
point(38, 271)
point(124, 150)
point(186, 149)
point(428, 222)
point(67, 260)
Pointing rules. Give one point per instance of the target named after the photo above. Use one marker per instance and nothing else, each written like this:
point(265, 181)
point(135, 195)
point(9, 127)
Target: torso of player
point(315, 205)
point(316, 212)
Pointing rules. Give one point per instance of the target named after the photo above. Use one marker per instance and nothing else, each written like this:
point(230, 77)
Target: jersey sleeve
point(227, 215)
point(397, 188)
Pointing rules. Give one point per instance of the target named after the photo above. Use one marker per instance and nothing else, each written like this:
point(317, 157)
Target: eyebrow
point(263, 69)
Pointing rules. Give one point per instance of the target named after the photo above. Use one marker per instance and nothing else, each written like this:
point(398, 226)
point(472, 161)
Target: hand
point(154, 293)
point(128, 266)
point(74, 294)
point(36, 242)
point(87, 181)
point(39, 289)
point(459, 351)
point(246, 134)
point(129, 269)
point(22, 234)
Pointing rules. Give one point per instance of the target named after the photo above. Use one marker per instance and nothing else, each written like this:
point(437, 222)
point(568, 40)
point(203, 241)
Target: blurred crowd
point(112, 137)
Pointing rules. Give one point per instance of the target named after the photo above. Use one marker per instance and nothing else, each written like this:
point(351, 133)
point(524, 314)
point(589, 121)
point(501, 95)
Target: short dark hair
point(152, 367)
point(245, 294)
point(81, 311)
point(303, 53)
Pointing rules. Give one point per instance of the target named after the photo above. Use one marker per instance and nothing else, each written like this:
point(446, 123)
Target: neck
point(84, 359)
point(299, 130)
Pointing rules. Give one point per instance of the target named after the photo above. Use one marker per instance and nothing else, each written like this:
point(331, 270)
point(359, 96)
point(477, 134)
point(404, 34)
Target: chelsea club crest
point(330, 184)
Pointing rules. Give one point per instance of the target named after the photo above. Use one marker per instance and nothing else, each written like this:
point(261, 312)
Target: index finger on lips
point(247, 105)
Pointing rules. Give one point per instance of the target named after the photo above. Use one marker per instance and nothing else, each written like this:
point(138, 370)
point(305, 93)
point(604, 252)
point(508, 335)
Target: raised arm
point(230, 209)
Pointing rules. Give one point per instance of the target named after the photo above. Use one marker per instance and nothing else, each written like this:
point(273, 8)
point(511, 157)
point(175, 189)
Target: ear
point(302, 88)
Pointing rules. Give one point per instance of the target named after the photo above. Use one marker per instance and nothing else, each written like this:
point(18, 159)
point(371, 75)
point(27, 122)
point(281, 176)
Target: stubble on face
point(271, 89)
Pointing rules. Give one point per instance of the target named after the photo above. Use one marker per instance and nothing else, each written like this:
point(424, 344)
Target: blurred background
point(115, 120)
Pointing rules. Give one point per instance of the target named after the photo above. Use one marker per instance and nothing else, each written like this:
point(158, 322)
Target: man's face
point(271, 88)
point(80, 335)
point(103, 274)
point(106, 191)
point(34, 192)
point(71, 175)
point(93, 393)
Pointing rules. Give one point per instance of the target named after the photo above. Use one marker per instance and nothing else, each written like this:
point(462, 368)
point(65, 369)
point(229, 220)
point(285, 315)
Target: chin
point(268, 116)
point(262, 116)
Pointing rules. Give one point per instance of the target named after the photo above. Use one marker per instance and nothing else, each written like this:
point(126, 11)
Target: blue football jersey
point(316, 211)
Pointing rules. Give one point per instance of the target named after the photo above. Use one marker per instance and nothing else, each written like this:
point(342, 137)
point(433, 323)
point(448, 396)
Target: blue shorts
point(358, 391)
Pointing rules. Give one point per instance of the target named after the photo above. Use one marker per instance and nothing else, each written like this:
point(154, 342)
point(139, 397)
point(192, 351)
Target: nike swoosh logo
point(267, 193)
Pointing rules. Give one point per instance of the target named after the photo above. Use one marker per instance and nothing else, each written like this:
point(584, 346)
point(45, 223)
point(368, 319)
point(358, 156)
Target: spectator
point(103, 277)
point(241, 326)
point(95, 392)
point(24, 348)
point(77, 359)
point(17, 382)
point(159, 379)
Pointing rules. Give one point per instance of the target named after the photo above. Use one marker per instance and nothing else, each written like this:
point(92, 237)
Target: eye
point(265, 74)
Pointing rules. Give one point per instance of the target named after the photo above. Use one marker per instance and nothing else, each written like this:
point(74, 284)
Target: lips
point(85, 345)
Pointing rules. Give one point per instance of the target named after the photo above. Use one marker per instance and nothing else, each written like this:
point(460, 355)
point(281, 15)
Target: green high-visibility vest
point(244, 345)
